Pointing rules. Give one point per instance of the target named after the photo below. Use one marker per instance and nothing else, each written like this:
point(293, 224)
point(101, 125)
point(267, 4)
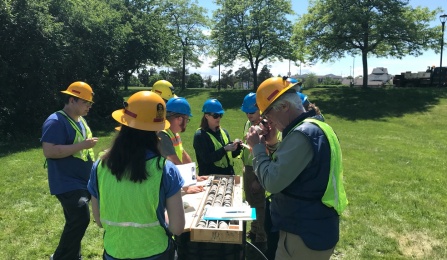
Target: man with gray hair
point(303, 173)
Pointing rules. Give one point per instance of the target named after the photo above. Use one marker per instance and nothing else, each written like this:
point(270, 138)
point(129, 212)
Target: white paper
point(228, 212)
point(188, 173)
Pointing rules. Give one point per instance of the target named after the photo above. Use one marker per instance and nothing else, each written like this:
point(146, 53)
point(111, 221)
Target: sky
point(343, 67)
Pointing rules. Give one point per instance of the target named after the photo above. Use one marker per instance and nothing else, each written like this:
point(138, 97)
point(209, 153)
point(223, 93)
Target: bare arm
point(186, 157)
point(176, 214)
point(174, 159)
point(95, 210)
point(56, 151)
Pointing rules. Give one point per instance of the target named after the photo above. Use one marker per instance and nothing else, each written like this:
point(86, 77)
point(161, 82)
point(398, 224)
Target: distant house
point(377, 78)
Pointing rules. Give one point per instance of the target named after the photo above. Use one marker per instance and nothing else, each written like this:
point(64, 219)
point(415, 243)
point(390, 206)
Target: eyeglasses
point(215, 115)
point(268, 110)
point(186, 119)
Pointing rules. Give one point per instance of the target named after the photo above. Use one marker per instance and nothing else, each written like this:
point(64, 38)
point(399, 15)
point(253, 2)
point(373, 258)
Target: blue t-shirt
point(172, 182)
point(69, 173)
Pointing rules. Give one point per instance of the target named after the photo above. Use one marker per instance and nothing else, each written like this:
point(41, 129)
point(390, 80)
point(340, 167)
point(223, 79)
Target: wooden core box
point(224, 191)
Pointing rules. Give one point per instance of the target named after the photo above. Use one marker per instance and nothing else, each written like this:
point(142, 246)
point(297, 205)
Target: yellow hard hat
point(270, 89)
point(163, 88)
point(143, 110)
point(81, 90)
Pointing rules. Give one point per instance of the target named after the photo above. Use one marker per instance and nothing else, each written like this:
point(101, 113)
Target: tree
point(195, 81)
point(333, 29)
point(187, 21)
point(208, 81)
point(252, 31)
point(145, 36)
point(154, 78)
point(228, 79)
point(243, 75)
point(311, 80)
point(264, 74)
point(144, 77)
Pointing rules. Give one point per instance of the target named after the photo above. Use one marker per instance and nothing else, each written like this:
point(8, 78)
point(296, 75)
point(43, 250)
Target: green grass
point(394, 150)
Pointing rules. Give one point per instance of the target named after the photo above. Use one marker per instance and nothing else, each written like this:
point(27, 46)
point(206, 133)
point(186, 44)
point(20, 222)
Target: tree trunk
point(126, 80)
point(184, 68)
point(365, 68)
point(254, 71)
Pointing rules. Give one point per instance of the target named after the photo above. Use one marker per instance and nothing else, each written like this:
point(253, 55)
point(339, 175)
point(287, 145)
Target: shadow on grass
point(375, 104)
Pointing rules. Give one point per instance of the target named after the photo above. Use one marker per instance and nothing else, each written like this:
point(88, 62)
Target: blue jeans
point(77, 218)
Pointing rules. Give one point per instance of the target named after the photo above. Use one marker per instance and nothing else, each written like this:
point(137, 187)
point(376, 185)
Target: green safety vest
point(246, 155)
point(80, 136)
point(335, 194)
point(223, 162)
point(177, 142)
point(135, 233)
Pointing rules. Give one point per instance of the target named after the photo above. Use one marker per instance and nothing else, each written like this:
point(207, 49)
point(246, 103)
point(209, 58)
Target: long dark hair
point(204, 123)
point(127, 157)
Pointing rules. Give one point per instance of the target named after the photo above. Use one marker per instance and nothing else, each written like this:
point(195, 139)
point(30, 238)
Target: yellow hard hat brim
point(291, 88)
point(127, 120)
point(71, 94)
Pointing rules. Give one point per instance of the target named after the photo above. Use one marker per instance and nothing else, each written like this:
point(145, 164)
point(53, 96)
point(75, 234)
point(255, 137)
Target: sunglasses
point(250, 113)
point(215, 115)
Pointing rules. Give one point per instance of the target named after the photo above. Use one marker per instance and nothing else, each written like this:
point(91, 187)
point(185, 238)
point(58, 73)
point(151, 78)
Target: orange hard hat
point(145, 111)
point(80, 90)
point(270, 89)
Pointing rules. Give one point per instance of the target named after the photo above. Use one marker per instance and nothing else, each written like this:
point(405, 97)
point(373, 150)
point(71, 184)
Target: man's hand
point(89, 142)
point(193, 189)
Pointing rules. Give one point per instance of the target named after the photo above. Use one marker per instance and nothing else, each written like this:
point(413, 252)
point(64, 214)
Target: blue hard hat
point(249, 103)
point(212, 106)
point(302, 97)
point(178, 105)
point(292, 80)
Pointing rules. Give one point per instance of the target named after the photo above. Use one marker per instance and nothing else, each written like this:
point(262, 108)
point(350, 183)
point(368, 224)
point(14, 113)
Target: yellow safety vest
point(223, 162)
point(80, 136)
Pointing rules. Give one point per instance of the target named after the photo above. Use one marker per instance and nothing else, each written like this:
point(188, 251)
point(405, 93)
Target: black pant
point(77, 218)
point(272, 236)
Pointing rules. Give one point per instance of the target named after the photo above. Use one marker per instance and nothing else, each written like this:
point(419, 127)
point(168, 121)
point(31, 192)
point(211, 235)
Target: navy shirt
point(69, 173)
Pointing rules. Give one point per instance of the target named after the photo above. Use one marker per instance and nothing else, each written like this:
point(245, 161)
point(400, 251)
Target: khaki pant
point(255, 196)
point(291, 246)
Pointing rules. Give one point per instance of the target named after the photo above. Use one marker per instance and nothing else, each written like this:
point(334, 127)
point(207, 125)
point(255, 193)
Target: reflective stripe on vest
point(129, 224)
point(176, 142)
point(335, 194)
point(246, 154)
point(128, 212)
point(223, 162)
point(80, 137)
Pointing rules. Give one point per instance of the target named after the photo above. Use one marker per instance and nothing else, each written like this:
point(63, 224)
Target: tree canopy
point(187, 21)
point(252, 31)
point(333, 29)
point(47, 44)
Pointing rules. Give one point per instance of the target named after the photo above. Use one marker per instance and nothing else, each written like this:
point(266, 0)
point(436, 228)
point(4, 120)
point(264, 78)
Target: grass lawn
point(394, 150)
